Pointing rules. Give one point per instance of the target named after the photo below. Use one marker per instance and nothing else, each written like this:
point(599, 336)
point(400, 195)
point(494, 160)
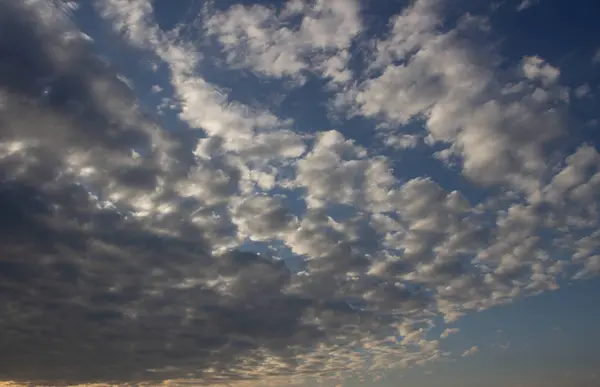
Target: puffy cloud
point(268, 42)
point(402, 141)
point(535, 68)
point(202, 104)
point(495, 121)
point(262, 217)
point(339, 171)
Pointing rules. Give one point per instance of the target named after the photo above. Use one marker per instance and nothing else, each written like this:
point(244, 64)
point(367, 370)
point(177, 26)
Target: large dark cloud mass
point(91, 293)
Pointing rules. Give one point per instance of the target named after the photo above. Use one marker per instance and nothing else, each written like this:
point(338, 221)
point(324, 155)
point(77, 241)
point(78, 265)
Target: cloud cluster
point(496, 122)
point(124, 251)
point(273, 43)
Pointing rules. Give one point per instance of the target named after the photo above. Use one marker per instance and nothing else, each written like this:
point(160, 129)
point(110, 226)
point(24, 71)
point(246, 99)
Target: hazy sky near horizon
point(310, 192)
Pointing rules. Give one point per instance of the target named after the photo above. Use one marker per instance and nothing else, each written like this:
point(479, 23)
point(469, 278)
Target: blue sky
point(323, 192)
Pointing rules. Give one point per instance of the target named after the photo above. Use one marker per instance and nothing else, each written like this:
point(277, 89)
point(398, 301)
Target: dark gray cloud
point(90, 296)
point(89, 291)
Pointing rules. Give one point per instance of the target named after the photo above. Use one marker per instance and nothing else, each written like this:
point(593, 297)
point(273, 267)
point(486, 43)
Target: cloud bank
point(124, 247)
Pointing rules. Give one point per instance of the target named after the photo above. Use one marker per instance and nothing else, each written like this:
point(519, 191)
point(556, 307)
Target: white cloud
point(402, 141)
point(339, 171)
point(471, 351)
point(134, 20)
point(591, 268)
point(496, 128)
point(203, 105)
point(582, 91)
point(535, 68)
point(449, 331)
point(267, 42)
point(525, 4)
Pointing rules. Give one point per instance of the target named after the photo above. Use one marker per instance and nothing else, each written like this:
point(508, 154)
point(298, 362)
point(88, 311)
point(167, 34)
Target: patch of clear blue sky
point(538, 341)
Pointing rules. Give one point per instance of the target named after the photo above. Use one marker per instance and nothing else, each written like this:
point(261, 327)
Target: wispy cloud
point(471, 351)
point(525, 4)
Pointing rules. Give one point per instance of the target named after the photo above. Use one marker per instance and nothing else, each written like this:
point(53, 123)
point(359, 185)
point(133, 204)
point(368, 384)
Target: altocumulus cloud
point(122, 253)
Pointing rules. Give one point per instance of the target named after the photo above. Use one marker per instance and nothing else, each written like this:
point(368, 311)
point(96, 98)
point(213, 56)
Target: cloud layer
point(130, 251)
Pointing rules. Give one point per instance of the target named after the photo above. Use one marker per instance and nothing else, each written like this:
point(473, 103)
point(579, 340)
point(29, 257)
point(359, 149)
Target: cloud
point(583, 91)
point(127, 248)
point(338, 171)
point(525, 4)
point(494, 121)
point(471, 351)
point(402, 141)
point(110, 272)
point(596, 57)
point(268, 41)
point(535, 68)
point(449, 331)
point(262, 217)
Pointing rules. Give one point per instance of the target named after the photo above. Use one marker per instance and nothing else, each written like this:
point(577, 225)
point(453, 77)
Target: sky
point(327, 193)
